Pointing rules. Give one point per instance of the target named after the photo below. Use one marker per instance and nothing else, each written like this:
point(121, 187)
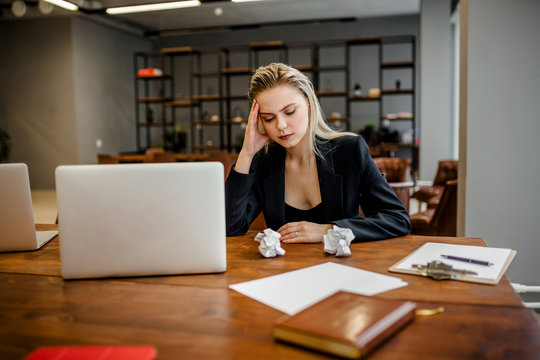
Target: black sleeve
point(385, 215)
point(241, 204)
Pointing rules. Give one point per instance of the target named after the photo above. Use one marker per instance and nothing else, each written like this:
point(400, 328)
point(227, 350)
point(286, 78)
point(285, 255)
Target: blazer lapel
point(331, 185)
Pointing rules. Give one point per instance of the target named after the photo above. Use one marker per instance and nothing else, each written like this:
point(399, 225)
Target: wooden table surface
point(199, 317)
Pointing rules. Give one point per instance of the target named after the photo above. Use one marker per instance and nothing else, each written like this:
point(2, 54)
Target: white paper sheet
point(433, 251)
point(293, 291)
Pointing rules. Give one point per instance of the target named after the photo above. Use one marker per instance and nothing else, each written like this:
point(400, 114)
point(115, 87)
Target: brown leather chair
point(150, 152)
point(163, 157)
point(396, 171)
point(106, 159)
point(447, 170)
point(225, 158)
point(441, 220)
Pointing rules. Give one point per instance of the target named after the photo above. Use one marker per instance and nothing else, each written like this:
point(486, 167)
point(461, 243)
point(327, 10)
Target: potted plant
point(5, 145)
point(180, 138)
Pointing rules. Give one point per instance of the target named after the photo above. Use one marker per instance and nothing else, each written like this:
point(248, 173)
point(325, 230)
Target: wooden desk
point(198, 317)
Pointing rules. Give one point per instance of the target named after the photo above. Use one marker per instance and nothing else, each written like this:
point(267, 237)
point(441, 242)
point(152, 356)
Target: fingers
point(303, 232)
point(253, 114)
point(297, 232)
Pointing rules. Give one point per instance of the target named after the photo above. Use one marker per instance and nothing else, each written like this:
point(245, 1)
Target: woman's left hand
point(303, 232)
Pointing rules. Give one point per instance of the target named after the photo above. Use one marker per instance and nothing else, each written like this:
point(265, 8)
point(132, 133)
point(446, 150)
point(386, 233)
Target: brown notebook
point(345, 324)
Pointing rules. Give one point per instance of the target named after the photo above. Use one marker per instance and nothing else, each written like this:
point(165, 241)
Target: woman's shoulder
point(346, 142)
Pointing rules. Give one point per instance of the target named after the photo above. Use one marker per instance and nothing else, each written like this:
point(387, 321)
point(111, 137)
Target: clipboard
point(430, 251)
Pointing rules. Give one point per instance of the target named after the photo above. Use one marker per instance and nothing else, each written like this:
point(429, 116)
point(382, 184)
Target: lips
point(285, 137)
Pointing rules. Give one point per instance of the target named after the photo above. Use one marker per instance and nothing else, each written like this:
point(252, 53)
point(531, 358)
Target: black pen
point(471, 261)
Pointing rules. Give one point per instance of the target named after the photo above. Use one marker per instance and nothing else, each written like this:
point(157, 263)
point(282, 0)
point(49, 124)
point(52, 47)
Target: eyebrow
point(286, 106)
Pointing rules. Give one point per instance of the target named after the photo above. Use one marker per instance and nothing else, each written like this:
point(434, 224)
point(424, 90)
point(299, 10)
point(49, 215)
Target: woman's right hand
point(253, 141)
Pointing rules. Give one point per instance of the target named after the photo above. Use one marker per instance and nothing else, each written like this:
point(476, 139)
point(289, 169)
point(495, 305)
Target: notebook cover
point(345, 324)
point(94, 353)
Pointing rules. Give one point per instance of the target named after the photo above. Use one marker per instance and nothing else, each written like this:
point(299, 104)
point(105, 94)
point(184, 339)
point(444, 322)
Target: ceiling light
point(64, 4)
point(152, 7)
point(18, 8)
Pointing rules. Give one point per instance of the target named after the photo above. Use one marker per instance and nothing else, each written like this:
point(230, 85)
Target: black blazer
point(348, 180)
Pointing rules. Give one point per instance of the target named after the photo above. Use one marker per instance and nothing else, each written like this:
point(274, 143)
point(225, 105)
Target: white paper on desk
point(293, 291)
point(432, 251)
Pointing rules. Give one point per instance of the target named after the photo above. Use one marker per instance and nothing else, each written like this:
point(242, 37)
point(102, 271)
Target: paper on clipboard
point(430, 251)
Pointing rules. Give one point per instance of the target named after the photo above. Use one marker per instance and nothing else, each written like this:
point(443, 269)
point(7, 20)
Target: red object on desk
point(94, 353)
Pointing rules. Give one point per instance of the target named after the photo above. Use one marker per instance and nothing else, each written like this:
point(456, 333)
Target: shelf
point(363, 40)
point(364, 98)
point(206, 97)
point(180, 103)
point(397, 64)
point(267, 45)
point(332, 93)
point(177, 50)
point(219, 88)
point(304, 67)
point(398, 117)
point(397, 91)
point(154, 99)
point(236, 121)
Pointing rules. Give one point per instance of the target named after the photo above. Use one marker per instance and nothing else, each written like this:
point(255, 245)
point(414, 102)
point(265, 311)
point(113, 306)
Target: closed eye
point(269, 119)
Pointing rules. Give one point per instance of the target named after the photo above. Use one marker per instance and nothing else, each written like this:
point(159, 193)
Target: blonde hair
point(274, 74)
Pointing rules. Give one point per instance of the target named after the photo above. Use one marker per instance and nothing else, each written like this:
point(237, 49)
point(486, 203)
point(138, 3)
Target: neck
point(302, 152)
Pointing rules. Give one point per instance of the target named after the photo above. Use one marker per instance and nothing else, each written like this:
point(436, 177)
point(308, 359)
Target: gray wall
point(65, 83)
point(37, 105)
point(503, 126)
point(104, 90)
point(435, 86)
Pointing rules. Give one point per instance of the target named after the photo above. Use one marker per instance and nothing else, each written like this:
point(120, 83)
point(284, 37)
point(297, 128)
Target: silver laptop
point(141, 219)
point(17, 227)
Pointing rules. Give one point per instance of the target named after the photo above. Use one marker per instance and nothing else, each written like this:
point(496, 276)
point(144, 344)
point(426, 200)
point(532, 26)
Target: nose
point(281, 123)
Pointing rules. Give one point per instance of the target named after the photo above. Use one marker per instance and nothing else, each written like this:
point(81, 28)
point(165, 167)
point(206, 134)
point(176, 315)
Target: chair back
point(225, 158)
point(447, 170)
point(163, 157)
point(150, 152)
point(106, 159)
point(395, 169)
point(444, 221)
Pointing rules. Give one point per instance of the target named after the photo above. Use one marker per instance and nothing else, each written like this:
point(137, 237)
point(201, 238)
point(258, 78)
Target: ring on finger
point(296, 233)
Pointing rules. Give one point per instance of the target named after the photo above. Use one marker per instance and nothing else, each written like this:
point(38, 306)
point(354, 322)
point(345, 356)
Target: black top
point(348, 179)
point(314, 215)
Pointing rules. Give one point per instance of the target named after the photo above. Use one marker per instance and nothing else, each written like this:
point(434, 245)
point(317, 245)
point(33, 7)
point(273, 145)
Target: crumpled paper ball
point(270, 245)
point(338, 240)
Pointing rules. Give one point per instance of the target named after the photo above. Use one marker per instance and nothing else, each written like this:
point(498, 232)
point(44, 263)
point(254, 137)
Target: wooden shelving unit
point(232, 70)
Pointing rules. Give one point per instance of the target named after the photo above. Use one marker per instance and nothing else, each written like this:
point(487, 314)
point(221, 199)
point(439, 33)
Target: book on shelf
point(345, 324)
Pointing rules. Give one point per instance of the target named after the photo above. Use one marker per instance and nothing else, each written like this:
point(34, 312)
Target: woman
point(308, 177)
